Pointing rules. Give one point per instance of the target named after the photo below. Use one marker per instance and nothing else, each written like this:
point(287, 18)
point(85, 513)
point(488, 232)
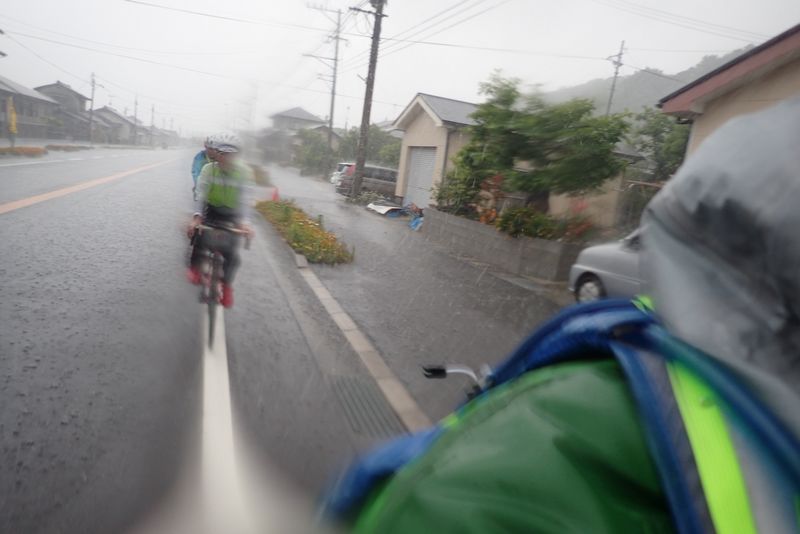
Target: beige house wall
point(601, 207)
point(458, 139)
point(781, 84)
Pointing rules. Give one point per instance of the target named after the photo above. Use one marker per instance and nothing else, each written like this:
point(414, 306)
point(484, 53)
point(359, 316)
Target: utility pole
point(617, 62)
point(136, 120)
point(333, 83)
point(91, 113)
point(152, 123)
point(335, 68)
point(361, 151)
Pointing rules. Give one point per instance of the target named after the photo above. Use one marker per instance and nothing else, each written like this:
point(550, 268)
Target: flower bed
point(30, 151)
point(305, 235)
point(68, 148)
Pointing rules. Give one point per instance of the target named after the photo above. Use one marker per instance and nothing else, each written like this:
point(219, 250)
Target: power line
point(134, 58)
point(457, 23)
point(430, 22)
point(131, 48)
point(504, 50)
point(693, 20)
point(678, 51)
point(634, 11)
point(228, 18)
point(299, 88)
point(45, 60)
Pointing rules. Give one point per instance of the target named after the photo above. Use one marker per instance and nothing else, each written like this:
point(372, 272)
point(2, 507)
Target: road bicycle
point(213, 240)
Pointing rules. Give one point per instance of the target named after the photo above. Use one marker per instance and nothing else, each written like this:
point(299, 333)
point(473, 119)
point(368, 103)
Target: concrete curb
point(393, 390)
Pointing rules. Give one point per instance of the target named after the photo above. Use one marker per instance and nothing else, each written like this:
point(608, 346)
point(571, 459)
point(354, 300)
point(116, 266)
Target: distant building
point(72, 117)
point(121, 128)
point(295, 119)
point(389, 127)
point(35, 111)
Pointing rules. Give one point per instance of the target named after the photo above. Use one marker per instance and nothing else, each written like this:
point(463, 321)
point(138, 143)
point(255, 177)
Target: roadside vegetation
point(522, 150)
point(305, 235)
point(68, 148)
point(313, 157)
point(30, 151)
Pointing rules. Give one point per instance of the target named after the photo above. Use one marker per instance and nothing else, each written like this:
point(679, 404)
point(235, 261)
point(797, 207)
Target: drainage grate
point(366, 408)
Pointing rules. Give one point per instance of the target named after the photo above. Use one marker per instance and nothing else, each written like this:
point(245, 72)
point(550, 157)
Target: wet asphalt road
point(100, 349)
point(100, 339)
point(417, 302)
point(97, 345)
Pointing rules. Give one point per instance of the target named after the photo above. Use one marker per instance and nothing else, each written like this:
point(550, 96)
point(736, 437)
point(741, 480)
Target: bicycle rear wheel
point(213, 299)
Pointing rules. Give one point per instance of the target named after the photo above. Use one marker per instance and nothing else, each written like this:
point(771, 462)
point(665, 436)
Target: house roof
point(75, 116)
point(324, 128)
point(690, 100)
point(112, 115)
point(99, 119)
point(61, 84)
point(15, 88)
point(298, 113)
point(444, 111)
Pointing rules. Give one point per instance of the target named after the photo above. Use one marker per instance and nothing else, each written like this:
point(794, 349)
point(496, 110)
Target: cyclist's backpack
point(601, 421)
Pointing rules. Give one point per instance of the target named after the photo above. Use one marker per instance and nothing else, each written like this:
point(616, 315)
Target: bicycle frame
point(212, 272)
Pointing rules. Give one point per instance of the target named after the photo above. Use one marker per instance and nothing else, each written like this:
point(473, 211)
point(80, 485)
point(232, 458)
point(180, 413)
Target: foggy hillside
point(639, 89)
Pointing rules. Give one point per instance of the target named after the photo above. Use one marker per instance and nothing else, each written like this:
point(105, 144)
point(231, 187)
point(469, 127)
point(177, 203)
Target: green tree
point(311, 154)
point(538, 148)
point(382, 147)
point(661, 140)
point(566, 148)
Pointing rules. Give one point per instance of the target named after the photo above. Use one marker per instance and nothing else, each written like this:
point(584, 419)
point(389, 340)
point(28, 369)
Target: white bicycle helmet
point(226, 142)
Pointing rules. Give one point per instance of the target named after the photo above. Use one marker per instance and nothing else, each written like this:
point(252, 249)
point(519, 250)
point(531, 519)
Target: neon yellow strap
point(720, 473)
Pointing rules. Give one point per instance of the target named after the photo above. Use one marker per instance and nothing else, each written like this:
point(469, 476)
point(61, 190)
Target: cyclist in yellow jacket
point(223, 198)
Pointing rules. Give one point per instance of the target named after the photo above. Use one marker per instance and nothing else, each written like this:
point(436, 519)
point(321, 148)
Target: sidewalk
point(416, 302)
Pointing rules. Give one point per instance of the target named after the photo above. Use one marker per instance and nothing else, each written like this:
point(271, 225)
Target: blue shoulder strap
point(614, 329)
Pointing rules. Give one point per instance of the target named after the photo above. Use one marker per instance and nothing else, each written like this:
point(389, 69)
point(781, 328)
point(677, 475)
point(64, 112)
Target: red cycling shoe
point(194, 276)
point(227, 296)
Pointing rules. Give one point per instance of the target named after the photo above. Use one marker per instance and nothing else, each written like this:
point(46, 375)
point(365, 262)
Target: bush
point(533, 223)
point(30, 151)
point(68, 148)
point(527, 222)
point(305, 235)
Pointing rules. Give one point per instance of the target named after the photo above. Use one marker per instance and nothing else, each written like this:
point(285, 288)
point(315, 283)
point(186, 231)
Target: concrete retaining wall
point(538, 258)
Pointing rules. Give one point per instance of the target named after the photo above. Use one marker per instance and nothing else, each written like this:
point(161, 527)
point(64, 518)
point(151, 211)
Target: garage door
point(421, 161)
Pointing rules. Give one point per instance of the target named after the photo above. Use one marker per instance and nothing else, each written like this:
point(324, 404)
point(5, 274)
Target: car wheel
point(589, 288)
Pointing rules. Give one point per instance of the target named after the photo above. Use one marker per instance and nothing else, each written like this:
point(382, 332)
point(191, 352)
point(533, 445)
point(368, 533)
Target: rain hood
point(722, 254)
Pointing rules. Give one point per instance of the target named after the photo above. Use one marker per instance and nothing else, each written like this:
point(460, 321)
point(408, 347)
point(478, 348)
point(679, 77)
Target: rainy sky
point(206, 65)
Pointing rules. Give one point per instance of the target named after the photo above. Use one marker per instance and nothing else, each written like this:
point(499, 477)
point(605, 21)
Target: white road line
point(239, 491)
point(221, 496)
point(21, 163)
point(231, 488)
point(395, 392)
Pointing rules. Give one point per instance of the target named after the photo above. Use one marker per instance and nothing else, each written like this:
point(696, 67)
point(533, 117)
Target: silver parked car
point(608, 270)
